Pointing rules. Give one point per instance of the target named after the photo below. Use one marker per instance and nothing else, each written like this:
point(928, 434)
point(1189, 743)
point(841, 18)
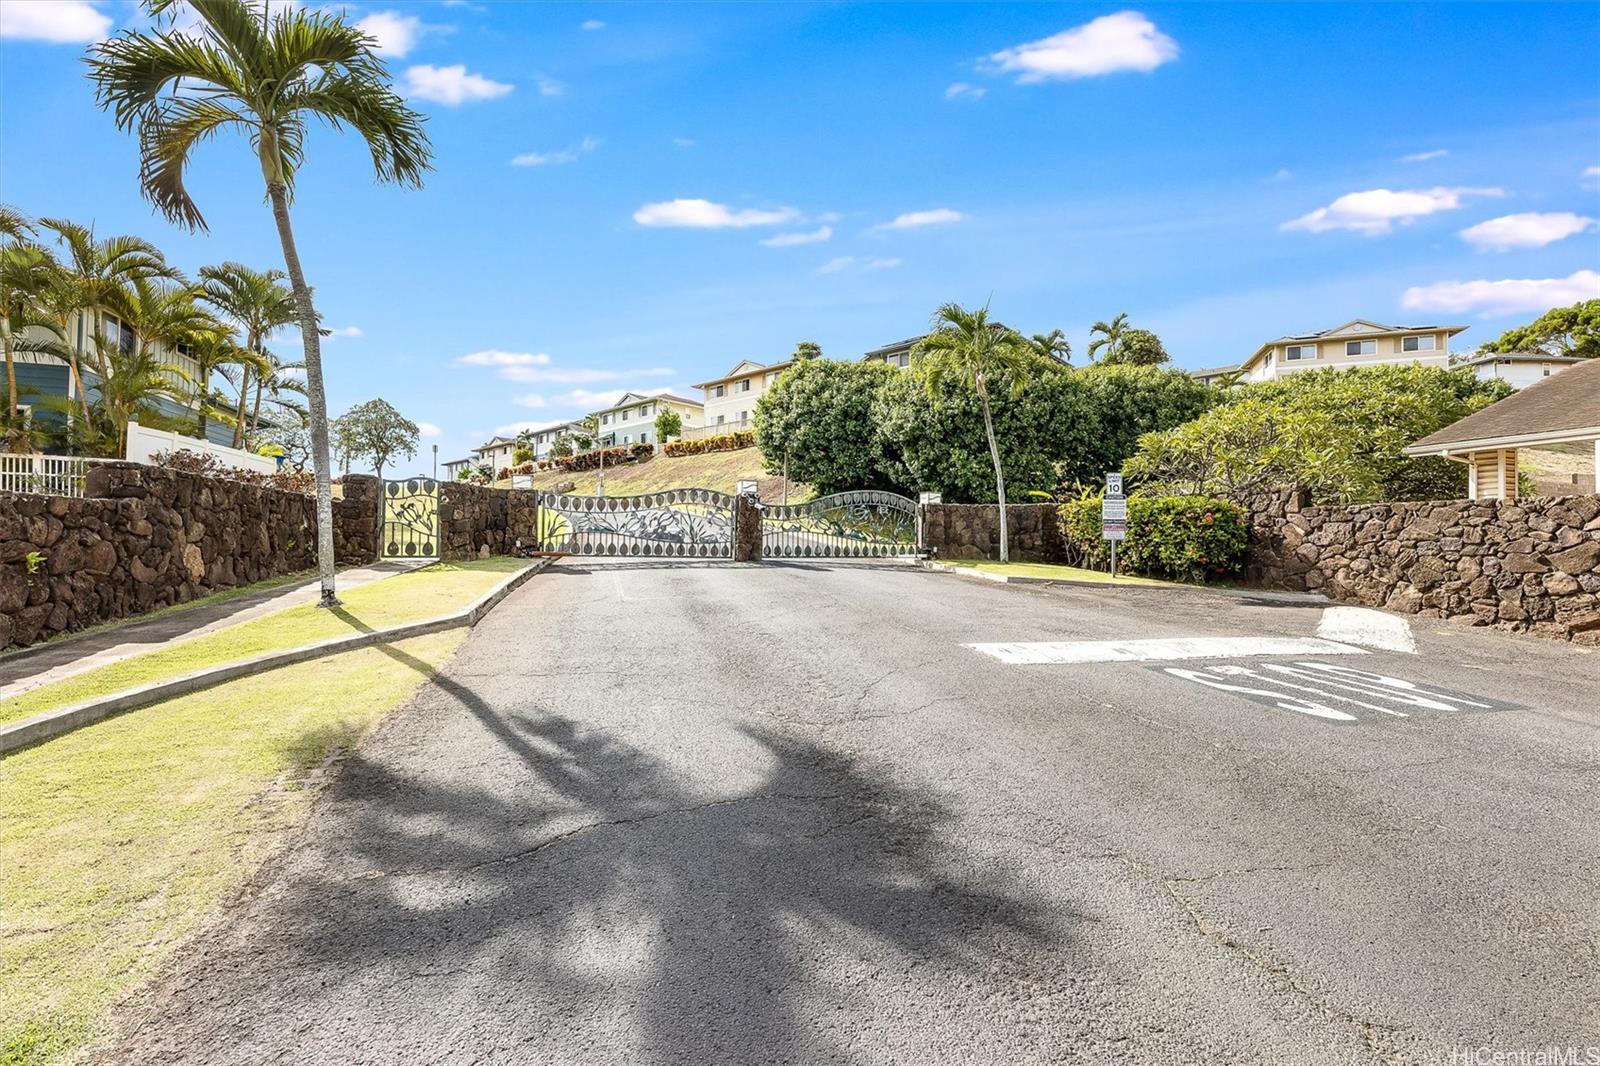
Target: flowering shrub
point(587, 461)
point(1190, 538)
point(725, 442)
point(208, 465)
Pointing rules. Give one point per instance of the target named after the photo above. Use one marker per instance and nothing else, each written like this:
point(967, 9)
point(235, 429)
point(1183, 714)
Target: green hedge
point(1188, 538)
point(726, 442)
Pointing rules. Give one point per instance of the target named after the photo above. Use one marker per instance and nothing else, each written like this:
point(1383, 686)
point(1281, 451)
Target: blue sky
point(638, 196)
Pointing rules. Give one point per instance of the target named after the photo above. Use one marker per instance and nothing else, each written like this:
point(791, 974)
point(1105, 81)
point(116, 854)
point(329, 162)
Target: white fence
point(143, 442)
point(43, 475)
point(716, 429)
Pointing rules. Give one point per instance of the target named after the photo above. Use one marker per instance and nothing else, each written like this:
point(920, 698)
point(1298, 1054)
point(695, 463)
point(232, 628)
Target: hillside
point(717, 470)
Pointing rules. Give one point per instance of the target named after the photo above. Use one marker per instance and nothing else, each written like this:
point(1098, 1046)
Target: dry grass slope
point(718, 470)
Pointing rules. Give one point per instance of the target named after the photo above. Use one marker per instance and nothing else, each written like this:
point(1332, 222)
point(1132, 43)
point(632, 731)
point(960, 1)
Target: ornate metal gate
point(410, 519)
point(695, 523)
point(845, 525)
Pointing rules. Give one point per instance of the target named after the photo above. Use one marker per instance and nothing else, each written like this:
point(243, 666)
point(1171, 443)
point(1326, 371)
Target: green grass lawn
point(1050, 572)
point(124, 838)
point(414, 596)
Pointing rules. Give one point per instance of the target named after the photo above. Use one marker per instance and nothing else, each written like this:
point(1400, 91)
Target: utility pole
point(436, 462)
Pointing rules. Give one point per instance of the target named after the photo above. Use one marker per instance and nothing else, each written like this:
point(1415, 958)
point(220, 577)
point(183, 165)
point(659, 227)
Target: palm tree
point(99, 272)
point(1053, 346)
point(257, 302)
point(21, 276)
point(965, 344)
point(55, 301)
point(1110, 339)
point(262, 74)
point(274, 378)
point(135, 378)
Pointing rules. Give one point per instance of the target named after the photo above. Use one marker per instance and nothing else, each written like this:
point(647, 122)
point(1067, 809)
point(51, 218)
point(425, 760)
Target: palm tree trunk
point(200, 400)
point(244, 389)
point(255, 412)
point(76, 375)
point(11, 366)
point(316, 397)
point(999, 474)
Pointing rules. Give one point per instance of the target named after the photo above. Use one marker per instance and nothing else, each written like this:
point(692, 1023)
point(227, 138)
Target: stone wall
point(355, 521)
point(972, 531)
point(1531, 564)
point(141, 538)
point(475, 521)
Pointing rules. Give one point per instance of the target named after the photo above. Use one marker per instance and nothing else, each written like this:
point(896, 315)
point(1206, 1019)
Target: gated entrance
point(410, 519)
point(689, 523)
point(845, 525)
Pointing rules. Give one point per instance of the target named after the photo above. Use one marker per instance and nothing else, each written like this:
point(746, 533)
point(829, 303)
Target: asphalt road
point(708, 813)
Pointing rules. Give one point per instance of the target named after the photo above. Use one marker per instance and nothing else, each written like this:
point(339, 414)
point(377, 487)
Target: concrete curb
point(1007, 579)
point(63, 720)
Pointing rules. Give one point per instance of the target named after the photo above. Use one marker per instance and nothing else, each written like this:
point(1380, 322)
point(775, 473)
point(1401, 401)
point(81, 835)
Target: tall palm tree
point(136, 377)
point(258, 303)
point(263, 74)
point(21, 276)
point(1053, 346)
point(279, 382)
point(965, 344)
point(98, 272)
point(166, 316)
point(56, 301)
point(1110, 339)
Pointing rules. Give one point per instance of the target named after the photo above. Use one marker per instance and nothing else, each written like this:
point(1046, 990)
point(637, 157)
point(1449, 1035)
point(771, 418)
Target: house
point(1560, 412)
point(496, 452)
point(1518, 369)
point(730, 401)
point(632, 419)
point(1359, 342)
point(454, 467)
point(896, 354)
point(1215, 375)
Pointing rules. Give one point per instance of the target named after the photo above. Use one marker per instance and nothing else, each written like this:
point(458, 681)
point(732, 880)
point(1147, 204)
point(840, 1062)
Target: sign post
point(1113, 516)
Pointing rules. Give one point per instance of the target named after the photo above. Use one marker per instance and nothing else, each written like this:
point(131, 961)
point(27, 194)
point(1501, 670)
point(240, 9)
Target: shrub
point(208, 465)
point(817, 418)
point(725, 442)
point(1189, 538)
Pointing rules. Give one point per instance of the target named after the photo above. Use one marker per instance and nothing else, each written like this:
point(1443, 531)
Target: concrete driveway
point(714, 813)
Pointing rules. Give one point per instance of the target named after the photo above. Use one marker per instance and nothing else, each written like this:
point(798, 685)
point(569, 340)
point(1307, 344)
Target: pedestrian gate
point(845, 525)
point(410, 519)
point(690, 523)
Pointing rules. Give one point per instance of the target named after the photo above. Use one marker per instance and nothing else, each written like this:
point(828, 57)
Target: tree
point(1127, 402)
point(1109, 339)
point(670, 424)
point(1053, 346)
point(259, 304)
point(166, 315)
point(1137, 347)
point(23, 273)
point(294, 444)
point(98, 273)
point(589, 430)
point(964, 345)
point(561, 447)
point(1571, 330)
point(374, 430)
point(807, 350)
point(246, 69)
point(135, 379)
point(815, 425)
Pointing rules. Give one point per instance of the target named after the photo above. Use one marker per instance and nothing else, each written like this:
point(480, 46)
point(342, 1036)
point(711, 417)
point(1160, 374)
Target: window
point(605, 420)
point(903, 359)
point(744, 386)
point(1547, 370)
point(1360, 347)
point(627, 439)
point(626, 415)
point(744, 416)
point(1417, 344)
point(719, 390)
point(721, 419)
point(1300, 351)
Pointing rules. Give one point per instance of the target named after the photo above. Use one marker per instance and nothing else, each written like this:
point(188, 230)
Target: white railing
point(143, 442)
point(716, 430)
point(43, 475)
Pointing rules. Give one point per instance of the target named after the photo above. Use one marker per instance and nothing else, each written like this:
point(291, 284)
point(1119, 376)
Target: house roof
point(1519, 357)
point(892, 349)
point(1213, 371)
point(1355, 329)
point(743, 370)
point(1560, 408)
point(629, 399)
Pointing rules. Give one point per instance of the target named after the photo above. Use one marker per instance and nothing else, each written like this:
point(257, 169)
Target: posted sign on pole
point(1113, 516)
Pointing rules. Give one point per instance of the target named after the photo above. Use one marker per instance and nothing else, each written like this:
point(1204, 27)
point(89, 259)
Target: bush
point(725, 442)
point(208, 465)
point(1188, 538)
point(817, 417)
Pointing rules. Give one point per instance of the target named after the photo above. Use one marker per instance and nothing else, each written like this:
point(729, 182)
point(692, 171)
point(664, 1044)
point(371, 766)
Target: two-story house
point(632, 419)
point(730, 401)
point(896, 354)
point(1359, 342)
point(1518, 369)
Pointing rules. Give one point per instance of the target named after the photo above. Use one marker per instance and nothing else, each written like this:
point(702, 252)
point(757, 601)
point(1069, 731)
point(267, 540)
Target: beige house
point(1560, 413)
point(730, 401)
point(1359, 342)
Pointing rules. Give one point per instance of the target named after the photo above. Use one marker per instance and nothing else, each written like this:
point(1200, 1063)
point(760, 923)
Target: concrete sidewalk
point(28, 668)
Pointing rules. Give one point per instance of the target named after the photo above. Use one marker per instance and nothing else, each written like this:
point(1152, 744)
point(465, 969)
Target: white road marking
point(1395, 688)
point(1368, 628)
point(1315, 685)
point(1278, 699)
point(1280, 669)
point(1029, 653)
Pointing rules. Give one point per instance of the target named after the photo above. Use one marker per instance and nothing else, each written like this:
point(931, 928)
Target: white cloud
point(451, 86)
point(703, 214)
point(850, 262)
point(428, 429)
point(591, 24)
point(1590, 178)
point(395, 33)
point(1423, 157)
point(1110, 43)
point(1281, 174)
point(1375, 211)
point(532, 399)
point(790, 240)
point(683, 142)
point(1531, 229)
point(346, 331)
point(556, 158)
point(548, 86)
point(496, 357)
point(962, 90)
point(1508, 297)
point(582, 375)
point(836, 264)
point(882, 264)
point(915, 219)
point(56, 21)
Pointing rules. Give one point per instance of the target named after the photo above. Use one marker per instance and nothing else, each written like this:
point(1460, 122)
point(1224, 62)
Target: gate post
point(746, 528)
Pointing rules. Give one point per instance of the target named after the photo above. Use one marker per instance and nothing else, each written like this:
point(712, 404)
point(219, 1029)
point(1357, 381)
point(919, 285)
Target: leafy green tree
point(1053, 345)
point(259, 304)
point(1571, 330)
point(1138, 347)
point(1126, 402)
point(562, 447)
point(815, 423)
point(1105, 338)
point(263, 74)
point(807, 350)
point(965, 346)
point(23, 275)
point(670, 424)
point(376, 431)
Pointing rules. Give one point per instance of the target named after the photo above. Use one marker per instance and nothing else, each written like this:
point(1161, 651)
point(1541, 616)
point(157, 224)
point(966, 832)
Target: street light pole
point(436, 462)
